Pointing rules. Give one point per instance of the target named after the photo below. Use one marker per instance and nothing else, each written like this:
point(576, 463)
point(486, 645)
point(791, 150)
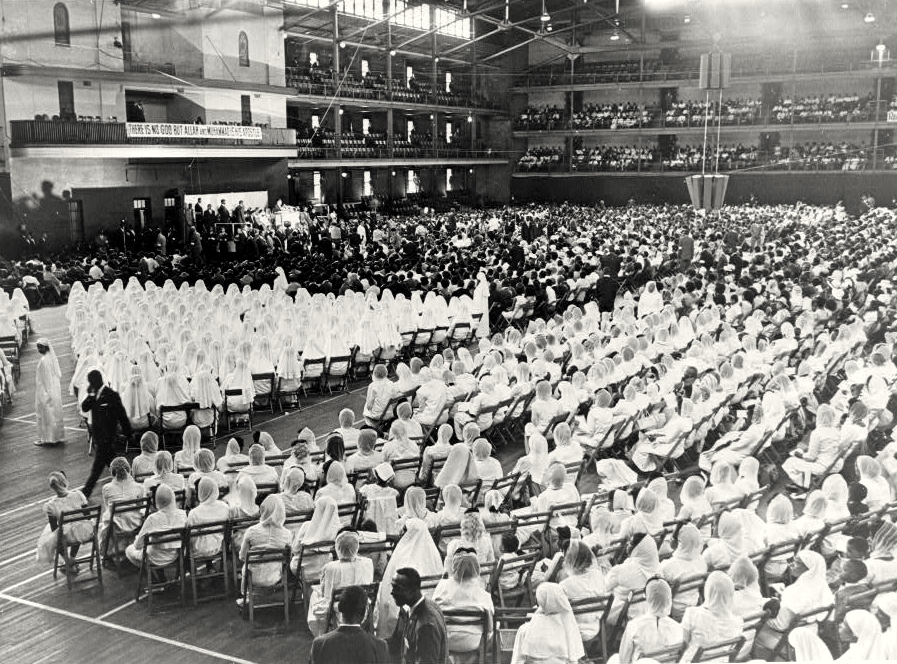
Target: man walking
point(420, 633)
point(349, 642)
point(106, 414)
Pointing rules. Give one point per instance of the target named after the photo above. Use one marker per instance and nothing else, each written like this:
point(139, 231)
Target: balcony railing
point(327, 84)
point(64, 132)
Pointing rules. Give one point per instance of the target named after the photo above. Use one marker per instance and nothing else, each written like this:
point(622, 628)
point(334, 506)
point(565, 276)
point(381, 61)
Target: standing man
point(420, 633)
point(48, 397)
point(161, 243)
point(349, 642)
point(106, 414)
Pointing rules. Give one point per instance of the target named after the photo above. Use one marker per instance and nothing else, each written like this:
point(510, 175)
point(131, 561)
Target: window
point(409, 74)
point(315, 121)
point(243, 49)
point(367, 186)
point(168, 202)
point(245, 111)
point(66, 100)
point(316, 185)
point(142, 213)
point(365, 126)
point(76, 221)
point(61, 34)
point(448, 132)
point(365, 67)
point(412, 182)
point(448, 81)
point(448, 179)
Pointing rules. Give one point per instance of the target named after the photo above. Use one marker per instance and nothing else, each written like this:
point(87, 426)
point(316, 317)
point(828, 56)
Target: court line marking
point(26, 581)
point(16, 558)
point(126, 630)
point(116, 610)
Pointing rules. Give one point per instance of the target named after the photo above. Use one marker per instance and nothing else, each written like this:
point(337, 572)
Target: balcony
point(318, 83)
point(99, 139)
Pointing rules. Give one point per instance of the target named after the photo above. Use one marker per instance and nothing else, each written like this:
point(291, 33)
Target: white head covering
point(459, 467)
point(241, 379)
point(869, 645)
point(810, 590)
point(552, 633)
point(204, 389)
point(807, 646)
point(136, 398)
point(324, 522)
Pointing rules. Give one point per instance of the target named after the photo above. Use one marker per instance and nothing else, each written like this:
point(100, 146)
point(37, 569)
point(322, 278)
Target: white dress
point(48, 402)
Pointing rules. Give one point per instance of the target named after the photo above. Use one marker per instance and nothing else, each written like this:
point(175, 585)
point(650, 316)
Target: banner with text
point(167, 130)
point(892, 116)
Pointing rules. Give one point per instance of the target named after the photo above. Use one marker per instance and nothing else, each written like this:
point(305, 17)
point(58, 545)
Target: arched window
point(61, 25)
point(243, 48)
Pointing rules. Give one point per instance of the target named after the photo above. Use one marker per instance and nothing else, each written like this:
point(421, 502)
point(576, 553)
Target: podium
point(707, 192)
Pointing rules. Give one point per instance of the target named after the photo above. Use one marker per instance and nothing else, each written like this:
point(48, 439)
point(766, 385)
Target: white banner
point(167, 130)
point(892, 116)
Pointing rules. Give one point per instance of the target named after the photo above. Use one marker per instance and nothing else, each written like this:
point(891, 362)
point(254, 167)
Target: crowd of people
point(728, 378)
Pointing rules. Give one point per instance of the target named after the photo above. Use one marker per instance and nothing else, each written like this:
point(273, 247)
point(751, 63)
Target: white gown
point(48, 402)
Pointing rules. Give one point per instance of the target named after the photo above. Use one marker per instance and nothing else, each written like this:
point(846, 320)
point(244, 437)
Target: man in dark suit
point(349, 642)
point(421, 633)
point(107, 413)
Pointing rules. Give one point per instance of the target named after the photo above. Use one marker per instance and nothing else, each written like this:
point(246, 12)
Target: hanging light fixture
point(615, 36)
point(545, 17)
point(870, 18)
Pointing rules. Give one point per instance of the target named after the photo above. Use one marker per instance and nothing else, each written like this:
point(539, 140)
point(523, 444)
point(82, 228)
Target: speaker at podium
point(707, 192)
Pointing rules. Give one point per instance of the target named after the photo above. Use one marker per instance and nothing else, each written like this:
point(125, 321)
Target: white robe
point(48, 402)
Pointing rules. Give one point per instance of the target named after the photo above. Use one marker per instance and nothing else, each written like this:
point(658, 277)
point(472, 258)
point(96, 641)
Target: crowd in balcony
point(542, 158)
point(832, 108)
point(612, 158)
point(731, 112)
point(593, 72)
point(809, 156)
point(314, 79)
point(613, 116)
point(545, 117)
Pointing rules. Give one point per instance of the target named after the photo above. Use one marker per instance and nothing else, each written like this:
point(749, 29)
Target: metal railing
point(68, 132)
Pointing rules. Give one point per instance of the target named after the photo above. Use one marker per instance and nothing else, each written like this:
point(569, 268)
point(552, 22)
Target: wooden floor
point(43, 622)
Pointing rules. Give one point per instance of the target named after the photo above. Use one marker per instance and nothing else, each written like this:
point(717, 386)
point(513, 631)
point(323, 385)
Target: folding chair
point(714, 652)
point(409, 463)
point(336, 374)
point(10, 347)
point(370, 589)
point(265, 400)
point(229, 415)
point(115, 534)
point(534, 525)
point(506, 622)
point(420, 342)
point(458, 335)
point(250, 603)
point(351, 510)
point(301, 584)
point(176, 433)
point(237, 526)
point(219, 528)
point(780, 649)
point(468, 618)
point(265, 489)
point(669, 655)
point(595, 605)
point(289, 397)
point(67, 520)
point(312, 375)
point(506, 486)
point(172, 540)
point(523, 564)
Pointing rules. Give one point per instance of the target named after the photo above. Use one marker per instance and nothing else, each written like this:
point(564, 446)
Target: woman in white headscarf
point(322, 527)
point(714, 620)
point(729, 543)
point(209, 510)
point(686, 563)
point(551, 636)
point(349, 569)
point(631, 575)
point(809, 591)
point(268, 533)
point(138, 402)
point(337, 487)
point(289, 369)
point(807, 646)
point(887, 604)
point(460, 468)
point(823, 449)
point(865, 628)
point(650, 301)
point(204, 391)
point(877, 487)
point(653, 631)
point(416, 549)
point(48, 397)
point(533, 464)
point(239, 379)
point(260, 362)
point(173, 390)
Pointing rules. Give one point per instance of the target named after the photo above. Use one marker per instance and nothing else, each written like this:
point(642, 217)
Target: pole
point(719, 128)
point(877, 107)
point(706, 120)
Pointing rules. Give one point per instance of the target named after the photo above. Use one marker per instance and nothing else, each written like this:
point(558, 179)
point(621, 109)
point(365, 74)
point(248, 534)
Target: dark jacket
point(348, 643)
point(107, 412)
point(424, 633)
